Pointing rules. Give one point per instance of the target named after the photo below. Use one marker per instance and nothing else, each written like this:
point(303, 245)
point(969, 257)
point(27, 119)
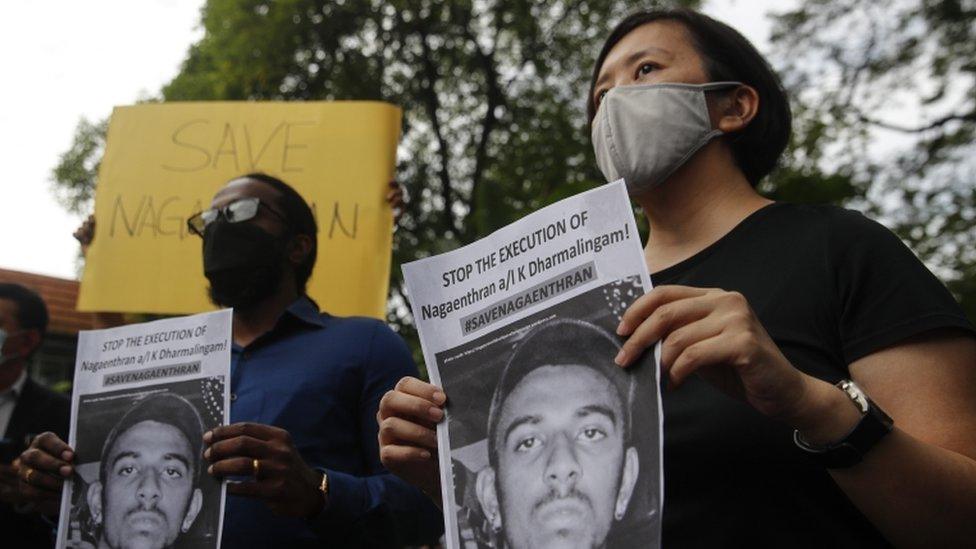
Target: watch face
point(324, 485)
point(867, 406)
point(856, 394)
point(874, 425)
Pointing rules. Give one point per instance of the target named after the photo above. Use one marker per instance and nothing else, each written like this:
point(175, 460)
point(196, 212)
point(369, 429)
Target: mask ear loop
point(718, 86)
point(715, 86)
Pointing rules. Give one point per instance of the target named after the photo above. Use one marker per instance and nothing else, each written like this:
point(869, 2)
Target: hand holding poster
point(143, 396)
point(545, 439)
point(164, 161)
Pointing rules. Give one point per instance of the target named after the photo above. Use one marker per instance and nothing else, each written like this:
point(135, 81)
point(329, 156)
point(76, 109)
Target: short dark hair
point(727, 56)
point(31, 310)
point(166, 408)
point(561, 342)
point(300, 215)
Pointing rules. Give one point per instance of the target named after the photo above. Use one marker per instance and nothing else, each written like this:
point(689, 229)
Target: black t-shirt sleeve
point(884, 292)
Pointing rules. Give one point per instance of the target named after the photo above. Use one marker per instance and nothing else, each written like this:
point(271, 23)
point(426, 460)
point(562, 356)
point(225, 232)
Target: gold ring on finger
point(28, 475)
point(255, 467)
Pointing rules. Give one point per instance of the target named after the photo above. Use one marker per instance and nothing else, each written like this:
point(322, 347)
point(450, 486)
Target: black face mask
point(243, 262)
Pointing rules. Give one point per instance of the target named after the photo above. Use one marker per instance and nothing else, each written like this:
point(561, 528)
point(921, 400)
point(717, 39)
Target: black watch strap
point(850, 450)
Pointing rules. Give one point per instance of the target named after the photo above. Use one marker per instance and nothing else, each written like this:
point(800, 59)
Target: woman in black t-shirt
point(772, 306)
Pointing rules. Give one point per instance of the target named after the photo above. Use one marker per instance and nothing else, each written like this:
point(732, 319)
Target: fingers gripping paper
point(545, 440)
point(164, 162)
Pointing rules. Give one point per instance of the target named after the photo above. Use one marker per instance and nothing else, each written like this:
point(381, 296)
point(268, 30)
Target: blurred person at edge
point(769, 305)
point(305, 387)
point(26, 408)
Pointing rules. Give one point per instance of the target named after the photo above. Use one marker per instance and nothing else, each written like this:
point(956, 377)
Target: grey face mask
point(643, 133)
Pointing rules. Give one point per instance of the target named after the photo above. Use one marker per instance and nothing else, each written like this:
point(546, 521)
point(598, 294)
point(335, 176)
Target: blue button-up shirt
point(321, 378)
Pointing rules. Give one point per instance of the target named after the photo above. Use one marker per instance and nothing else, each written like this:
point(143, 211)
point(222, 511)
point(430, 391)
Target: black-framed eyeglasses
point(239, 210)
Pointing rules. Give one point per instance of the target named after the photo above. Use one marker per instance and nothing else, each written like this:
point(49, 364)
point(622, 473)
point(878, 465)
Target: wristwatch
point(323, 490)
point(850, 450)
point(324, 486)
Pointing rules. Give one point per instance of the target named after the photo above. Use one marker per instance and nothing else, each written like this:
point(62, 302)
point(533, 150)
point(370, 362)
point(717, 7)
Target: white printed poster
point(546, 441)
point(143, 396)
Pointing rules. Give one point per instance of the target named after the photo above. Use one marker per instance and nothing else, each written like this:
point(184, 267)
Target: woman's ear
point(736, 108)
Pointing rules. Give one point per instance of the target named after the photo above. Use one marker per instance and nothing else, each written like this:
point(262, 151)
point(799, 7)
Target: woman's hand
point(407, 419)
point(716, 335)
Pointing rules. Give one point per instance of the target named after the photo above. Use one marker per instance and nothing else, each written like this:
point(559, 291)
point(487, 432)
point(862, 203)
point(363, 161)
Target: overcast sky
point(64, 60)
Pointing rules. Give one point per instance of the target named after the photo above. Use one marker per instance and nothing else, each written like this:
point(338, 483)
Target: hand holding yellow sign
point(163, 162)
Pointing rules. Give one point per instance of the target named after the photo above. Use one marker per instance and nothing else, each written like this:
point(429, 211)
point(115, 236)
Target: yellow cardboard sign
point(163, 162)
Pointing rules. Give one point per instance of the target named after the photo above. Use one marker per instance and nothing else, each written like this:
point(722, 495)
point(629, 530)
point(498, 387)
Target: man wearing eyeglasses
point(301, 452)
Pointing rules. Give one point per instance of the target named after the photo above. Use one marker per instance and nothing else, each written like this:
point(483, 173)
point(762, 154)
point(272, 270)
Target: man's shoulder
point(358, 324)
point(378, 339)
point(370, 331)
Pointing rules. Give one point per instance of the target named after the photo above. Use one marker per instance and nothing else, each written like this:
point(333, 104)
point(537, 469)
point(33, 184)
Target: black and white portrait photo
point(141, 479)
point(552, 444)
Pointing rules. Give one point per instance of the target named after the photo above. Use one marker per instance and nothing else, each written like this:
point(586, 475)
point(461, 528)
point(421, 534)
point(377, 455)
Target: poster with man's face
point(142, 480)
point(552, 444)
point(143, 397)
point(545, 441)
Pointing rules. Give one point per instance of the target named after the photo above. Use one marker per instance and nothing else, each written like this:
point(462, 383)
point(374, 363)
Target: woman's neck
point(698, 205)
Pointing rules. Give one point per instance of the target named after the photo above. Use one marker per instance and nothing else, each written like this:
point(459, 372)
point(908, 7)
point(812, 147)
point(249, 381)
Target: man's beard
point(244, 287)
point(243, 262)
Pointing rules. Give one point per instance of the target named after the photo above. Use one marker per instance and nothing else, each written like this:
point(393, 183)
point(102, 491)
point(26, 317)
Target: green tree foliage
point(885, 94)
point(492, 91)
point(74, 175)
